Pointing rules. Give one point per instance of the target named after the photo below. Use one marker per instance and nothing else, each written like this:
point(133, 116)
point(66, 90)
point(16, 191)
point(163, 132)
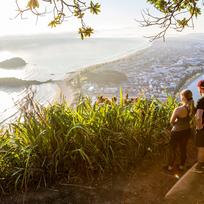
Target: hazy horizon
point(115, 20)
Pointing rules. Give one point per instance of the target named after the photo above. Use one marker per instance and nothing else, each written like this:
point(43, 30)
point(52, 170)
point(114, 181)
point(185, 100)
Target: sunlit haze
point(115, 20)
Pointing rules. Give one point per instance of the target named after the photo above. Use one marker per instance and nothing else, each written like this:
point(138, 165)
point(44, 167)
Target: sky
point(115, 20)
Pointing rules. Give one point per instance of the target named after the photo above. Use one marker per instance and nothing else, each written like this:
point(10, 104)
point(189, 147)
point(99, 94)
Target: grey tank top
point(182, 123)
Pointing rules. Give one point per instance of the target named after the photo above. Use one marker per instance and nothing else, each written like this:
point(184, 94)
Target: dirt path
point(149, 183)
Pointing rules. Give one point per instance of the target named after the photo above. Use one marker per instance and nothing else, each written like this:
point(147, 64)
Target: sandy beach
point(65, 92)
point(71, 88)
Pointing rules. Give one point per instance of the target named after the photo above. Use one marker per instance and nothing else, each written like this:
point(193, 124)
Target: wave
point(13, 82)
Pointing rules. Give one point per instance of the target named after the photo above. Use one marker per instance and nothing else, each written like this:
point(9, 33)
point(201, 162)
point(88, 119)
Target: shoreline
point(143, 75)
point(67, 91)
point(93, 67)
point(66, 86)
point(187, 81)
point(140, 67)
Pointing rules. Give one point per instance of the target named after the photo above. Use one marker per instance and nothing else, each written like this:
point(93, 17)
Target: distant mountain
point(198, 36)
point(15, 62)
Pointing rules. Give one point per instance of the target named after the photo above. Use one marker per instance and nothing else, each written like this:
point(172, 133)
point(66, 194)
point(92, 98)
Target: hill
point(15, 62)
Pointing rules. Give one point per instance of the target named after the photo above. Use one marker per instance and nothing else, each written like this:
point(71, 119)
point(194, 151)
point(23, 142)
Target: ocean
point(192, 85)
point(53, 57)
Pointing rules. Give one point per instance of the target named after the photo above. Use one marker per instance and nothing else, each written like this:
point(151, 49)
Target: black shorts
point(199, 138)
point(182, 133)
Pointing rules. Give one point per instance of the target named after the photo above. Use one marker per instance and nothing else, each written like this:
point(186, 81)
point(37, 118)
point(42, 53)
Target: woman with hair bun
point(199, 137)
point(181, 131)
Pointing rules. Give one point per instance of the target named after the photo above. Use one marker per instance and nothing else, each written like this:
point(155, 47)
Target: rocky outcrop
point(188, 190)
point(15, 82)
point(15, 62)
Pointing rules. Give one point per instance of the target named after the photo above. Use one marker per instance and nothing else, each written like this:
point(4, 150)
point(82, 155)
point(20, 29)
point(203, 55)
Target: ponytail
point(192, 111)
point(190, 104)
point(191, 107)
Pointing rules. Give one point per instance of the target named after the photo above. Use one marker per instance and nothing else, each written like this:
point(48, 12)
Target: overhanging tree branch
point(174, 14)
point(63, 9)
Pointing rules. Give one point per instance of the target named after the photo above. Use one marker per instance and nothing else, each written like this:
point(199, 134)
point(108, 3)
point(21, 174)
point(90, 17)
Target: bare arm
point(174, 116)
point(199, 117)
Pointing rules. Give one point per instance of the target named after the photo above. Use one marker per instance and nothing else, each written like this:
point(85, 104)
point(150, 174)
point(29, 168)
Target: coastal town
point(161, 69)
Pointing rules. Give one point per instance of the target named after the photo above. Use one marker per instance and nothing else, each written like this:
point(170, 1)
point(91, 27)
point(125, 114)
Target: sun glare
point(4, 55)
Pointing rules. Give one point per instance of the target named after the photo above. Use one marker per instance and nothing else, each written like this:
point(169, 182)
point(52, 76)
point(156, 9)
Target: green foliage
point(173, 7)
point(57, 20)
point(183, 23)
point(79, 9)
point(59, 143)
point(94, 8)
point(62, 10)
point(85, 32)
point(32, 4)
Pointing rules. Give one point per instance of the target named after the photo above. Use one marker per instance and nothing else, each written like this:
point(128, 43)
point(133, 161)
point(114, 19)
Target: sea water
point(54, 57)
point(193, 87)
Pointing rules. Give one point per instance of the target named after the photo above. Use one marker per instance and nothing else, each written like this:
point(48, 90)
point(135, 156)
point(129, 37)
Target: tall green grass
point(85, 143)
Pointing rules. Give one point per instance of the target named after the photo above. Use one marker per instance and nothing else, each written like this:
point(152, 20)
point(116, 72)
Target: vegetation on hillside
point(60, 143)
